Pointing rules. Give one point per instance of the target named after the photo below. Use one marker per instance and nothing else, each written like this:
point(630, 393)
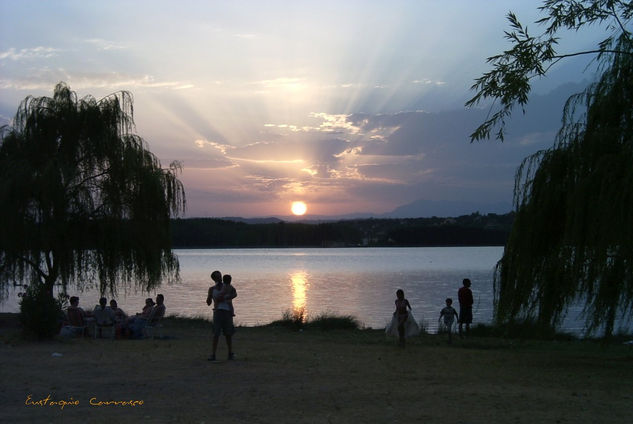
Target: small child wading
point(448, 315)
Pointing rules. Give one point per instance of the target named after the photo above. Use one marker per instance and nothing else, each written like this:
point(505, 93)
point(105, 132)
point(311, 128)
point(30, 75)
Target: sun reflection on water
point(300, 285)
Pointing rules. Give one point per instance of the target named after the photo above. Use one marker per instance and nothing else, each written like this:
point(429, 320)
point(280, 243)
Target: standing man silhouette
point(222, 314)
point(465, 297)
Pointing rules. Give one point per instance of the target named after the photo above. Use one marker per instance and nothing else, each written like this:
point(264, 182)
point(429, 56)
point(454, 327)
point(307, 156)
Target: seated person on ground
point(75, 323)
point(155, 315)
point(131, 322)
point(103, 314)
point(158, 311)
point(119, 314)
point(147, 309)
point(120, 317)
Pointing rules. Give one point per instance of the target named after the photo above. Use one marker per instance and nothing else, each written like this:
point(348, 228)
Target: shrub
point(328, 321)
point(293, 320)
point(297, 320)
point(40, 314)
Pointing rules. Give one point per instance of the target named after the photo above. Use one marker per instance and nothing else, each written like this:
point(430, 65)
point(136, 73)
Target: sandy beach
point(314, 376)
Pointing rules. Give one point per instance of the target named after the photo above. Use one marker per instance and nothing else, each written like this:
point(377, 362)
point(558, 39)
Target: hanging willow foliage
point(84, 202)
point(572, 240)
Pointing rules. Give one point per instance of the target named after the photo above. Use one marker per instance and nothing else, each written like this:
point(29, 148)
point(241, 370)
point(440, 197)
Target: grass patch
point(293, 320)
point(298, 320)
point(327, 321)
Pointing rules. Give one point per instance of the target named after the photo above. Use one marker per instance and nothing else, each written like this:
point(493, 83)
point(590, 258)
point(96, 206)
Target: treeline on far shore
point(467, 230)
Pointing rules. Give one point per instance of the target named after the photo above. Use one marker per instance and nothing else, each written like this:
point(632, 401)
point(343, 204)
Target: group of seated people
point(77, 320)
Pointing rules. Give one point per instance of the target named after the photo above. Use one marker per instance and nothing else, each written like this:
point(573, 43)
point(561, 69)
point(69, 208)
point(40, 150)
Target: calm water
point(350, 281)
point(359, 282)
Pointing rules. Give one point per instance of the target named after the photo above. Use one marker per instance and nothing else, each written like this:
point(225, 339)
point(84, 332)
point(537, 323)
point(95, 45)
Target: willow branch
point(617, 19)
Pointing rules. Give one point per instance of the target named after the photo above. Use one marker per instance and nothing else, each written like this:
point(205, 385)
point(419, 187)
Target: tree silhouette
point(84, 202)
point(572, 238)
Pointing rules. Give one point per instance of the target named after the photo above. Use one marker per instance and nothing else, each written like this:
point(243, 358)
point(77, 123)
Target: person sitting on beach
point(103, 314)
point(120, 318)
point(448, 315)
point(147, 309)
point(156, 314)
point(75, 323)
point(119, 314)
point(158, 311)
point(144, 314)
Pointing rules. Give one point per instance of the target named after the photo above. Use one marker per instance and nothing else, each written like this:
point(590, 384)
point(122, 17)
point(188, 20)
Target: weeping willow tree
point(572, 239)
point(83, 200)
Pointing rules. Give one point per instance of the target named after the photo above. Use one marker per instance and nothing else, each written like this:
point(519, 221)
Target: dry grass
point(316, 376)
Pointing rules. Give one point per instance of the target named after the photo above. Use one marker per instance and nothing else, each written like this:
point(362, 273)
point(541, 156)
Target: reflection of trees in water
point(299, 281)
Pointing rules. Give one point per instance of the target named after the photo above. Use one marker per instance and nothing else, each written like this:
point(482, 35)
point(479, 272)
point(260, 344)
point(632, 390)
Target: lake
point(348, 281)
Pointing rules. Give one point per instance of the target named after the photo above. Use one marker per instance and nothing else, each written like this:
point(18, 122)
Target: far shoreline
point(331, 247)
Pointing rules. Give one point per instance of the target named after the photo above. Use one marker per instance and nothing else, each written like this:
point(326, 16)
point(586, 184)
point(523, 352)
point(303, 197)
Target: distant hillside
point(430, 208)
point(269, 220)
point(466, 230)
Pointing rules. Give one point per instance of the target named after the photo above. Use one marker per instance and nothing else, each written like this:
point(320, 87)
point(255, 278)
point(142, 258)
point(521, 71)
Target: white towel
point(411, 328)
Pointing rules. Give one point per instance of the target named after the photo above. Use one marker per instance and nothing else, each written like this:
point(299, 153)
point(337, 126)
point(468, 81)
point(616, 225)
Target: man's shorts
point(465, 314)
point(223, 322)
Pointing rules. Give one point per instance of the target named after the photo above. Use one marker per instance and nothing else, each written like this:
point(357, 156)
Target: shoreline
point(9, 321)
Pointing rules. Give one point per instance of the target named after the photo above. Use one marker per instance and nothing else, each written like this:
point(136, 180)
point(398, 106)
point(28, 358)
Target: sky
point(349, 106)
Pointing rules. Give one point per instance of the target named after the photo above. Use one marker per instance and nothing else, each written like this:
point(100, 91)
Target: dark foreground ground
point(313, 376)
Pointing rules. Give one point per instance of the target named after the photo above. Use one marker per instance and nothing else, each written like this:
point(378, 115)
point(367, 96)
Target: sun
point(299, 208)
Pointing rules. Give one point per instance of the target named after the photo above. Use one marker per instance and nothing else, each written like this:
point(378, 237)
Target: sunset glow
point(299, 208)
point(354, 106)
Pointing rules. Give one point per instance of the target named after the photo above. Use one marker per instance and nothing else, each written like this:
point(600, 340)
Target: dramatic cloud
point(349, 106)
point(28, 53)
point(102, 44)
point(388, 159)
point(81, 81)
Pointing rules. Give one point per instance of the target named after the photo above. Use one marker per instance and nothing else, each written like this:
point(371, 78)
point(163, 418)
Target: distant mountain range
point(416, 209)
point(429, 208)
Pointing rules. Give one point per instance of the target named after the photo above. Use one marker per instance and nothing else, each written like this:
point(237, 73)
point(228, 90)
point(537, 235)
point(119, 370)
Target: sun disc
point(299, 208)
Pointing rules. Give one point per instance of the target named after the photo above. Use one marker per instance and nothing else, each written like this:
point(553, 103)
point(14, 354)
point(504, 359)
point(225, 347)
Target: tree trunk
point(610, 323)
point(49, 284)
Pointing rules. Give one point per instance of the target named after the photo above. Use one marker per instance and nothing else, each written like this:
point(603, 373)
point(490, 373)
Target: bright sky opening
point(354, 106)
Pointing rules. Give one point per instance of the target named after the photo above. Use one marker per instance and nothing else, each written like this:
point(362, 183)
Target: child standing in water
point(448, 313)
